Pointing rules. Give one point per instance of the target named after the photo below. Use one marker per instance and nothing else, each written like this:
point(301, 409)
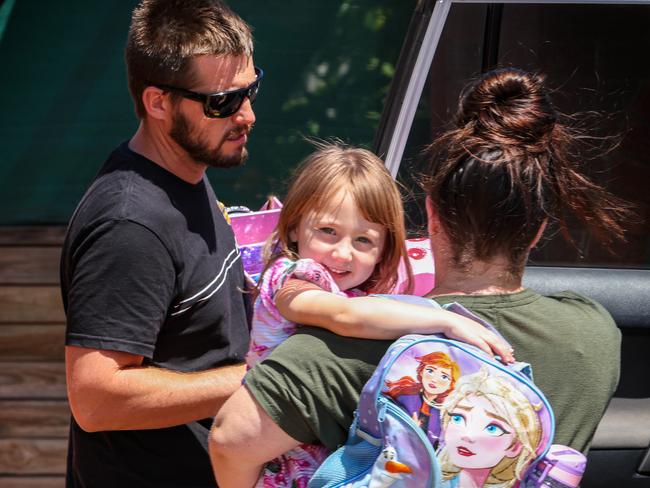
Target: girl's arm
point(380, 318)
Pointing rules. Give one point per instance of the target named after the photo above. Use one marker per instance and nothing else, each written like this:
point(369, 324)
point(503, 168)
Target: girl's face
point(340, 239)
point(477, 436)
point(435, 380)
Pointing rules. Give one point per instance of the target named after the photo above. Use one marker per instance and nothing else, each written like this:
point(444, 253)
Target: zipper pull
point(381, 410)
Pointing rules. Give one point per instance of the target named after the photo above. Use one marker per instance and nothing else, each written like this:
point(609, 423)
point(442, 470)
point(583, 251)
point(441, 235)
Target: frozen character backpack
point(442, 414)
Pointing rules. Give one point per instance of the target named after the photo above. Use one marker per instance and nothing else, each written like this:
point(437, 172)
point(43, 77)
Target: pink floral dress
point(269, 329)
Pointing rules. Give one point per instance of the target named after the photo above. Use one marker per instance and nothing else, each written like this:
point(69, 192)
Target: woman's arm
point(242, 439)
point(380, 318)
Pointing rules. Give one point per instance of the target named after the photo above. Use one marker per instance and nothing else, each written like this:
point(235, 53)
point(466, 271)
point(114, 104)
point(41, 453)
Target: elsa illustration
point(422, 397)
point(490, 433)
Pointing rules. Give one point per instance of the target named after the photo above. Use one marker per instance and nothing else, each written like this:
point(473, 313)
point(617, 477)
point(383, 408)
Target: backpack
point(435, 406)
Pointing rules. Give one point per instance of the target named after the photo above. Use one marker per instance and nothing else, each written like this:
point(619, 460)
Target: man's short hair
point(165, 35)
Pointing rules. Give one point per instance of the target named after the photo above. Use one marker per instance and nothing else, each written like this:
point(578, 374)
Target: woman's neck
point(481, 278)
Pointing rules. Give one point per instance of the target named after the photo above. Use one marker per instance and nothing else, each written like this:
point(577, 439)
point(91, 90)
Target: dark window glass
point(594, 59)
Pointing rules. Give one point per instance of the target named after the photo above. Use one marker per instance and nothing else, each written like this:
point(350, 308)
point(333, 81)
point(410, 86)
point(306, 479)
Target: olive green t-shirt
point(310, 384)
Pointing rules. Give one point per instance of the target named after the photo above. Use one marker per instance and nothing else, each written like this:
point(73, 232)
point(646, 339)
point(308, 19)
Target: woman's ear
point(156, 103)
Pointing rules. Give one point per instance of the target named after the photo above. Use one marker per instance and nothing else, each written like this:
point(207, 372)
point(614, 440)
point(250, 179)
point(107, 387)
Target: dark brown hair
point(506, 167)
point(332, 167)
point(165, 35)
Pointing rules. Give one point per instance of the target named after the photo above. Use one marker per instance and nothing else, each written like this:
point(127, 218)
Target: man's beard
point(181, 133)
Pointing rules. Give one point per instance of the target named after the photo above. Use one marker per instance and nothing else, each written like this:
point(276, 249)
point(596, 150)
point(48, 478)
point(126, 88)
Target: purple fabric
point(412, 405)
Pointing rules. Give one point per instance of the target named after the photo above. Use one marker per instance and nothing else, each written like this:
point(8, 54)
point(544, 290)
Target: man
point(151, 277)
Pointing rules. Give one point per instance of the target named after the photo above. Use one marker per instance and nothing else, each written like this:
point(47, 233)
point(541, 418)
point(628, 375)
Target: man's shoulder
point(128, 188)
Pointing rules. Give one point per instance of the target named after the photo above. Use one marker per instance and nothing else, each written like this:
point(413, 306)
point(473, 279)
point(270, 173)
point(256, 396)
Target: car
point(592, 52)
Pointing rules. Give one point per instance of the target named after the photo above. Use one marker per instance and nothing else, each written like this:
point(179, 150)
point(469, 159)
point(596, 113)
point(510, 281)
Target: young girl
point(340, 237)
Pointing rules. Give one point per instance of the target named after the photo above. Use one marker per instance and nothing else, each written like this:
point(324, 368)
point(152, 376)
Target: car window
point(594, 56)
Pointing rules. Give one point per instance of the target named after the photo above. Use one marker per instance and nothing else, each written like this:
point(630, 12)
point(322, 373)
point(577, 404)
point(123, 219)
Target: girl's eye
point(326, 230)
point(445, 377)
point(457, 419)
point(364, 240)
point(494, 430)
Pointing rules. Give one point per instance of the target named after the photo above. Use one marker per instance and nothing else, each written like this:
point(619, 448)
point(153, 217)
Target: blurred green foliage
point(65, 102)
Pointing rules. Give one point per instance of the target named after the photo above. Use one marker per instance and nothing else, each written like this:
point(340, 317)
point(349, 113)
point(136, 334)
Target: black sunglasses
point(223, 104)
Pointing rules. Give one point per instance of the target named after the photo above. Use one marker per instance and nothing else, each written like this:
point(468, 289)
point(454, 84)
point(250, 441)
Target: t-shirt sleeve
point(284, 269)
point(122, 283)
point(310, 384)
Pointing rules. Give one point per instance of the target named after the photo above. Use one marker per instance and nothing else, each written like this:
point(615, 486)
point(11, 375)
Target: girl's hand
point(464, 329)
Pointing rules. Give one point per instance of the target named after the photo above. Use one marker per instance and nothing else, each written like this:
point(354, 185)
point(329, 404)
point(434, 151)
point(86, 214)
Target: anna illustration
point(490, 433)
point(422, 397)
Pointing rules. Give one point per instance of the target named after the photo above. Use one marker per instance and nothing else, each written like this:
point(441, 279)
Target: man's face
point(220, 143)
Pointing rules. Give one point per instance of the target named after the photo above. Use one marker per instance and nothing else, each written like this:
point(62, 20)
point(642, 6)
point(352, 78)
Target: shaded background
point(65, 103)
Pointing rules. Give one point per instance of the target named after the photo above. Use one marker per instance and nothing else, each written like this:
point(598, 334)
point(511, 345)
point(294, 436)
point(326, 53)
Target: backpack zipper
point(397, 412)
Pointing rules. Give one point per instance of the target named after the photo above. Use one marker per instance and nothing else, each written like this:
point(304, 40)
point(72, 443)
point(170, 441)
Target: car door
point(594, 53)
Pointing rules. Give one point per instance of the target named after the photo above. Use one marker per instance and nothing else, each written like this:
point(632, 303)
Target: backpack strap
point(367, 413)
point(460, 310)
point(519, 367)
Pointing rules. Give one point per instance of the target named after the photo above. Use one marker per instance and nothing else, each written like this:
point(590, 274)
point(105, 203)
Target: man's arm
point(242, 439)
point(118, 296)
point(110, 390)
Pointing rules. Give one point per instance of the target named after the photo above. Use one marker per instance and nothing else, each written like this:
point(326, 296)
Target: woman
point(422, 397)
point(497, 177)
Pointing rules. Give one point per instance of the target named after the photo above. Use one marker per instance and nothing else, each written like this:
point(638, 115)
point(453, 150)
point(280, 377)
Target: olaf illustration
point(387, 469)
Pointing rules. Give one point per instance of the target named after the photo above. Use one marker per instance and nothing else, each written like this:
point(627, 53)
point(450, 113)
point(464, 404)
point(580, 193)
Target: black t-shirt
point(150, 267)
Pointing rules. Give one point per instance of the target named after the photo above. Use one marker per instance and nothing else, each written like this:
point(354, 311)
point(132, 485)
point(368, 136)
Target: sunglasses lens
point(252, 93)
point(225, 105)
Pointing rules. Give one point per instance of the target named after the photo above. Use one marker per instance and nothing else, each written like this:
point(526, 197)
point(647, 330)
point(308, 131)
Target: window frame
point(415, 60)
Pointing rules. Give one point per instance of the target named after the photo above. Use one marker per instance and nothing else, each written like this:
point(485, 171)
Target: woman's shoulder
point(579, 316)
point(581, 305)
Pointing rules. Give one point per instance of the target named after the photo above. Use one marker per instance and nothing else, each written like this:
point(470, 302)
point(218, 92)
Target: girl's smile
point(339, 238)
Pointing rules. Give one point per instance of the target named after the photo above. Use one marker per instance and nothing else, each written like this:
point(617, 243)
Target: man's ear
point(156, 103)
point(433, 220)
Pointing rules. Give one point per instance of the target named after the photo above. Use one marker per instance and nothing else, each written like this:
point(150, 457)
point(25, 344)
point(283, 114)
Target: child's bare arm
point(380, 318)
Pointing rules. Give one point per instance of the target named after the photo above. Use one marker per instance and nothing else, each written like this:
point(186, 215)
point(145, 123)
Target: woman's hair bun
point(507, 106)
